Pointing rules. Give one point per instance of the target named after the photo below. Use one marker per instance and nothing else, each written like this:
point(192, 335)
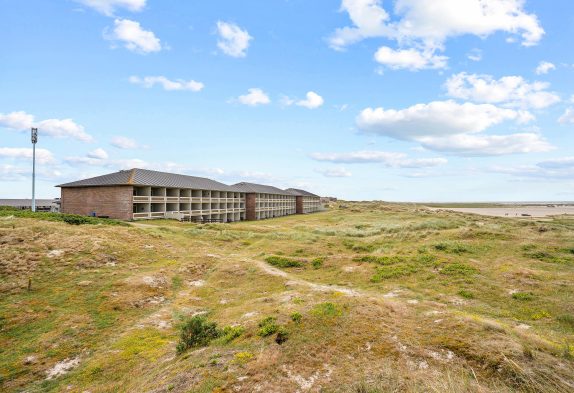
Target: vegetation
point(72, 219)
point(369, 297)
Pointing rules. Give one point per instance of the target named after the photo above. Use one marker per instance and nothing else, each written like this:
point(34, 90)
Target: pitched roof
point(146, 177)
point(297, 191)
point(260, 188)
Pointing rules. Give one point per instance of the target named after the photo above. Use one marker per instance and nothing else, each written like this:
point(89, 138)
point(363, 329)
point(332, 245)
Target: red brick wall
point(299, 204)
point(250, 206)
point(112, 201)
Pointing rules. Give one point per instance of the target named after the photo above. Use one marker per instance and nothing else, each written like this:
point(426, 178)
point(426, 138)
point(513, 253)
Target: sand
point(513, 211)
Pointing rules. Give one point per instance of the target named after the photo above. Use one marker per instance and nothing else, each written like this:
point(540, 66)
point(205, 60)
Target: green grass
point(72, 219)
point(283, 262)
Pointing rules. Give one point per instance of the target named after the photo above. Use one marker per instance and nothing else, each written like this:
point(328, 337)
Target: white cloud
point(122, 142)
point(133, 37)
point(567, 117)
point(427, 24)
point(98, 154)
point(233, 41)
point(437, 118)
point(170, 85)
point(562, 162)
point(312, 101)
point(334, 172)
point(487, 145)
point(475, 55)
point(558, 169)
point(108, 7)
point(43, 156)
point(59, 128)
point(254, 97)
point(544, 67)
point(390, 159)
point(512, 91)
point(10, 172)
point(411, 59)
point(447, 126)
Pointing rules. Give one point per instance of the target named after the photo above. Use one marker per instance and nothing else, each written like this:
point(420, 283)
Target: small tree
point(197, 332)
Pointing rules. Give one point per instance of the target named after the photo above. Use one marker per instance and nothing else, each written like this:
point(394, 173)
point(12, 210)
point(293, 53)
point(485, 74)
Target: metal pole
point(34, 140)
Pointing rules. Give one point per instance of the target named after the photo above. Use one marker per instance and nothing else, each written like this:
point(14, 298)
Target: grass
point(371, 297)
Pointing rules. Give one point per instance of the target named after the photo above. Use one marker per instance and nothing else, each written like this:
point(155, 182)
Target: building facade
point(139, 194)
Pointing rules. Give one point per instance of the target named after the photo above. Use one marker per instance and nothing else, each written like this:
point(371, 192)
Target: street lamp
point(34, 141)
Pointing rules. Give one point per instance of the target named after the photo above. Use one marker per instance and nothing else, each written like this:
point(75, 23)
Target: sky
point(404, 100)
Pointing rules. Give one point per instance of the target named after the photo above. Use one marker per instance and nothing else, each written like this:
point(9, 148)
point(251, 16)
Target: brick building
point(137, 194)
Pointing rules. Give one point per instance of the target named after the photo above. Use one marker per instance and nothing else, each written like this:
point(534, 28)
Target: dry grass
point(404, 300)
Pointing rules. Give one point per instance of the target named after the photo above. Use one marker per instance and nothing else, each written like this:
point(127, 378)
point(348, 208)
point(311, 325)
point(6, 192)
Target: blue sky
point(406, 100)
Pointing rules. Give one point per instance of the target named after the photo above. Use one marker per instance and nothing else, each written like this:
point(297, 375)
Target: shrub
point(72, 219)
point(466, 294)
point(230, 333)
point(327, 309)
point(296, 317)
point(524, 296)
point(283, 262)
point(268, 326)
point(317, 263)
point(393, 271)
point(243, 357)
point(459, 269)
point(380, 260)
point(282, 335)
point(197, 332)
point(452, 247)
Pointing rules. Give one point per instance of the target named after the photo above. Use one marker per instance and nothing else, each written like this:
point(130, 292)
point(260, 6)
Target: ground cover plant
point(367, 297)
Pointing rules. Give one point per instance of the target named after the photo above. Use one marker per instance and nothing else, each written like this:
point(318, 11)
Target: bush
point(466, 294)
point(72, 219)
point(393, 271)
point(283, 262)
point(524, 296)
point(230, 333)
point(282, 335)
point(459, 269)
point(296, 317)
point(317, 263)
point(197, 332)
point(268, 326)
point(327, 309)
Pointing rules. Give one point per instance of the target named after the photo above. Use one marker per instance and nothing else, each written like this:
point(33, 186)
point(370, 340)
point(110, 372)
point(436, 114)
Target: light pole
point(34, 140)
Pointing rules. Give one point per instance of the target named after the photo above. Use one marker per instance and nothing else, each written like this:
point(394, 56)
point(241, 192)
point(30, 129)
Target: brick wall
point(250, 206)
point(111, 201)
point(299, 204)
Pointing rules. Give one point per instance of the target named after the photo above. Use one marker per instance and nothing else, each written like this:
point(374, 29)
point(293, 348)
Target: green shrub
point(296, 317)
point(317, 262)
point(197, 332)
point(380, 260)
point(268, 326)
point(283, 262)
point(327, 309)
point(230, 333)
point(452, 247)
point(72, 219)
point(523, 296)
point(466, 294)
point(282, 335)
point(459, 269)
point(393, 271)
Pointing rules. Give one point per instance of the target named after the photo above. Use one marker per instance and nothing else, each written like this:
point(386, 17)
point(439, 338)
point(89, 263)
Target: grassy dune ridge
point(367, 297)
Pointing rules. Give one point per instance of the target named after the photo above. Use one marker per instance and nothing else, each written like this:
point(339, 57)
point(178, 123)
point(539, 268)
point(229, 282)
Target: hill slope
point(367, 297)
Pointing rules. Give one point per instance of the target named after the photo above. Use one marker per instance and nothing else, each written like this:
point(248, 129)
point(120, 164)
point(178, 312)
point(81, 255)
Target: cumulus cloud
point(43, 156)
point(389, 159)
point(512, 91)
point(567, 117)
point(167, 84)
point(122, 142)
point(254, 97)
point(312, 101)
point(558, 169)
point(432, 23)
point(233, 41)
point(411, 59)
point(9, 172)
point(421, 27)
point(334, 172)
point(134, 37)
point(437, 118)
point(447, 126)
point(59, 128)
point(98, 154)
point(544, 68)
point(108, 7)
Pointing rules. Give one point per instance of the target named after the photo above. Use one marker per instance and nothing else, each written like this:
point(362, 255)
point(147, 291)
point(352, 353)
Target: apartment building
point(139, 194)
